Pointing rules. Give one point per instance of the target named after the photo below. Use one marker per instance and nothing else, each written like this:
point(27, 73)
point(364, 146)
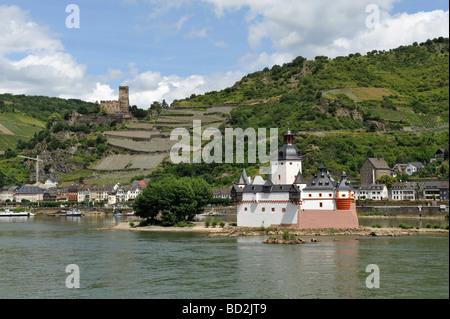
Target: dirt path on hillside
point(4, 130)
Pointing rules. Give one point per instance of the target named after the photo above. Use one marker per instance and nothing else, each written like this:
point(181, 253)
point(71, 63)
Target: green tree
point(2, 179)
point(387, 180)
point(176, 199)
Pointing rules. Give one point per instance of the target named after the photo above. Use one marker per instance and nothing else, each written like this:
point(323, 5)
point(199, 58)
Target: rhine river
point(35, 251)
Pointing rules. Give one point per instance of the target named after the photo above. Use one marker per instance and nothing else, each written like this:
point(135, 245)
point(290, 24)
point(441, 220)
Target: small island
point(285, 233)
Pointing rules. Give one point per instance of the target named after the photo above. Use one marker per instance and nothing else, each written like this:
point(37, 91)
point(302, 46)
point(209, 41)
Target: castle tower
point(289, 163)
point(124, 100)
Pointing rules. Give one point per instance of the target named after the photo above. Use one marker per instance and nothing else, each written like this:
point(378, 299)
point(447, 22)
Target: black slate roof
point(321, 181)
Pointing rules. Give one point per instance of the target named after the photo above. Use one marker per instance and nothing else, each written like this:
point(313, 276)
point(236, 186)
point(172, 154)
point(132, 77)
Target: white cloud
point(152, 86)
point(321, 27)
point(220, 44)
point(19, 34)
point(195, 33)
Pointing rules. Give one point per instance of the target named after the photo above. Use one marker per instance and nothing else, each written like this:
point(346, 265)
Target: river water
point(35, 251)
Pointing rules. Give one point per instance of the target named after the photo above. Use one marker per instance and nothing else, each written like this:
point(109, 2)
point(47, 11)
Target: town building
point(63, 195)
point(372, 192)
point(432, 190)
point(50, 196)
point(414, 167)
point(373, 169)
point(8, 193)
point(405, 191)
point(286, 199)
point(443, 191)
point(439, 155)
point(50, 183)
point(30, 193)
point(84, 194)
point(72, 193)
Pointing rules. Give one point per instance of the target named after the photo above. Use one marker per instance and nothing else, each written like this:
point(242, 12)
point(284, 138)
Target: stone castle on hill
point(119, 107)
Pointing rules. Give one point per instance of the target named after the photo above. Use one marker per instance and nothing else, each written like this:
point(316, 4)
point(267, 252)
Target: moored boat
point(73, 212)
point(9, 213)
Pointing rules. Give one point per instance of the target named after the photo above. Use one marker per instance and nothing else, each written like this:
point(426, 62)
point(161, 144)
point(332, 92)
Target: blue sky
point(171, 49)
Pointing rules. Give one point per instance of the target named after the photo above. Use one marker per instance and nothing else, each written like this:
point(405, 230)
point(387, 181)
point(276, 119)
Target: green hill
point(392, 104)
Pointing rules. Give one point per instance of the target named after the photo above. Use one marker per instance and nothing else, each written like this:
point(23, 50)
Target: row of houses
point(431, 190)
point(110, 194)
point(375, 167)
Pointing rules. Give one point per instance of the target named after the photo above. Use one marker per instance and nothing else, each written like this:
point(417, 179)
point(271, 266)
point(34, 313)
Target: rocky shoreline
point(236, 231)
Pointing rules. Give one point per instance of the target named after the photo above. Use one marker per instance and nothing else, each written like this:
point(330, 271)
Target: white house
point(50, 183)
point(84, 194)
point(372, 191)
point(413, 167)
point(404, 191)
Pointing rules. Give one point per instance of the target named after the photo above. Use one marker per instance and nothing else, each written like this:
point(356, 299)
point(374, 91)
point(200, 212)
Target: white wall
point(285, 172)
point(318, 200)
point(254, 216)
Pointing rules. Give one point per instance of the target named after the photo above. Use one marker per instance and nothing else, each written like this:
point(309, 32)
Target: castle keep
point(119, 107)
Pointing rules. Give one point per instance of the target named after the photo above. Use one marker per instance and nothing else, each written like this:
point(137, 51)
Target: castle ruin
point(119, 107)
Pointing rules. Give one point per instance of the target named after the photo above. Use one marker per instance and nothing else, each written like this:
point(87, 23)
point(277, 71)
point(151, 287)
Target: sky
point(166, 50)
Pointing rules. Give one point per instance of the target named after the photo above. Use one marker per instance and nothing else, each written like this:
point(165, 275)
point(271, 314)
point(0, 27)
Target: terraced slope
point(145, 145)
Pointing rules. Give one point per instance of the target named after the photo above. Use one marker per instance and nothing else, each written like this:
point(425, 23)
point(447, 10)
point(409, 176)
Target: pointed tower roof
point(322, 167)
point(299, 179)
point(344, 183)
point(243, 179)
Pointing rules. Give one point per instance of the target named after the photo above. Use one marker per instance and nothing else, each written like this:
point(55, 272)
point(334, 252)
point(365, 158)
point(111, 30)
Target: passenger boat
point(9, 213)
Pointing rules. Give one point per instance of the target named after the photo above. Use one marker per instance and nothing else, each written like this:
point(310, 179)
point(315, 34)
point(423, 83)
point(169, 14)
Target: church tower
point(289, 163)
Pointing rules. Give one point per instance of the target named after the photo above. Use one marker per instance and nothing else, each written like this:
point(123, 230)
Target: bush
point(215, 221)
point(405, 226)
point(207, 222)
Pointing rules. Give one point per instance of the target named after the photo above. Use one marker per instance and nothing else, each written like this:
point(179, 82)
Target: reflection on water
point(325, 269)
point(34, 253)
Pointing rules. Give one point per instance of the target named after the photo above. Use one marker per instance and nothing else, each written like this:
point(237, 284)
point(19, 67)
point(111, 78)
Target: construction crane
point(37, 164)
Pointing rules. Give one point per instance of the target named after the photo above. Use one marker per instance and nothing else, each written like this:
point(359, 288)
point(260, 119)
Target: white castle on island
point(286, 199)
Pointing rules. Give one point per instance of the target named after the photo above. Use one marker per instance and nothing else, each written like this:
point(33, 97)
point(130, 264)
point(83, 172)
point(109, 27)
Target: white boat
point(73, 212)
point(9, 213)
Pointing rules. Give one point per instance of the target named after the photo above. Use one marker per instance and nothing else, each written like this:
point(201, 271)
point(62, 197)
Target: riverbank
point(236, 231)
